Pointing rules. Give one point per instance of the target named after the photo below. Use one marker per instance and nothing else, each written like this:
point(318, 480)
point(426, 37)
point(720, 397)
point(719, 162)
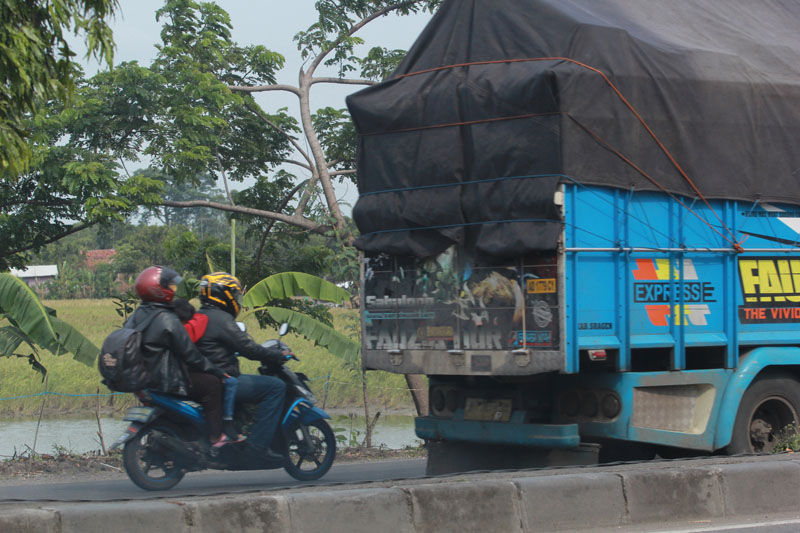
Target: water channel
point(80, 435)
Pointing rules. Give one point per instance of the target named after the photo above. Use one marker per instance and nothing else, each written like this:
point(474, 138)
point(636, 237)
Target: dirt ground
point(70, 467)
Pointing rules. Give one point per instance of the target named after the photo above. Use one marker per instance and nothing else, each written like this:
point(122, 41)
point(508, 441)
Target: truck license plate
point(487, 410)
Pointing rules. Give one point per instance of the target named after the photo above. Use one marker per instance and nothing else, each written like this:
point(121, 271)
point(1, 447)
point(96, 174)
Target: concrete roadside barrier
point(571, 501)
point(692, 493)
point(530, 501)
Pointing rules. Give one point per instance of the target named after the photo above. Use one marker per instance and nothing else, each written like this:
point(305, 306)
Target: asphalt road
point(778, 523)
point(205, 483)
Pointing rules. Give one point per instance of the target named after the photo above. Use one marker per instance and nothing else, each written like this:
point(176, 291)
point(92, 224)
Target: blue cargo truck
point(581, 222)
point(661, 336)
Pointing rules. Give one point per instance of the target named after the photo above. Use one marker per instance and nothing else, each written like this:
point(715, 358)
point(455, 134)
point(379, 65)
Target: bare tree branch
point(307, 194)
point(298, 163)
point(301, 222)
point(342, 172)
point(344, 81)
point(74, 229)
point(280, 130)
point(357, 26)
point(281, 207)
point(264, 88)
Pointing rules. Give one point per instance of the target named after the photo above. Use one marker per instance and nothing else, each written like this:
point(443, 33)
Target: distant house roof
point(38, 271)
point(95, 257)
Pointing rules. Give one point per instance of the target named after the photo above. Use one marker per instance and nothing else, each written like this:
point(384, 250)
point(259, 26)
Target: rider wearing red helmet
point(171, 357)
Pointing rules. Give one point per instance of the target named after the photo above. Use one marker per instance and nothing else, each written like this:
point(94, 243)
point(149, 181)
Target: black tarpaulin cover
point(472, 154)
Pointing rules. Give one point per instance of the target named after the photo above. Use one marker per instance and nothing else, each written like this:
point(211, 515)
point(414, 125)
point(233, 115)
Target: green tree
point(327, 133)
point(331, 42)
point(36, 63)
point(69, 185)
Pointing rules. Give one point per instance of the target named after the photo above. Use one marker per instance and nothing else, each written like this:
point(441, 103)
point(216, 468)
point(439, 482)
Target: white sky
point(272, 23)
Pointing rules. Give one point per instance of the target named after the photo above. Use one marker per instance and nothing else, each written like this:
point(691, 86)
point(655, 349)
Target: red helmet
point(153, 284)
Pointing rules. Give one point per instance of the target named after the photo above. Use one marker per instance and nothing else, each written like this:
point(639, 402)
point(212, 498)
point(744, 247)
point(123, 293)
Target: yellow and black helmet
point(222, 290)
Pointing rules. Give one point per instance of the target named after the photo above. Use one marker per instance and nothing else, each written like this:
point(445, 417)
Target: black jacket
point(223, 340)
point(168, 350)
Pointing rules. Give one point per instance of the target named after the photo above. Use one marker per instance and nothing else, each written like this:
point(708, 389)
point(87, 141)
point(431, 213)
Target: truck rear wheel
point(768, 412)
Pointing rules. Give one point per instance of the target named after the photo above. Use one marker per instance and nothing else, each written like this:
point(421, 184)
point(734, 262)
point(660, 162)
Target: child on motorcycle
point(223, 343)
point(196, 324)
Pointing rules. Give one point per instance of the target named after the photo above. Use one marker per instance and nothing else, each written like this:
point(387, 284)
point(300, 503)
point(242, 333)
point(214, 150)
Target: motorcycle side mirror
point(241, 326)
point(284, 329)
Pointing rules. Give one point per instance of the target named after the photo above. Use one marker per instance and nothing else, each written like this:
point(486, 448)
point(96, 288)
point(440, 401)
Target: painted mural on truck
point(770, 290)
point(654, 285)
point(454, 301)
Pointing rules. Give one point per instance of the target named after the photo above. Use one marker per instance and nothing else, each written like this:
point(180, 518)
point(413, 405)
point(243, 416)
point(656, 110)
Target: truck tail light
point(611, 406)
point(597, 355)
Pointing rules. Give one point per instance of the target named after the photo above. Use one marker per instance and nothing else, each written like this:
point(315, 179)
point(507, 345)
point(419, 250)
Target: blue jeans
point(268, 392)
point(231, 384)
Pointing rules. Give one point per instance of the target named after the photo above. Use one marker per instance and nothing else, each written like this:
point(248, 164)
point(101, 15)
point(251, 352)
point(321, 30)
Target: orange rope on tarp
point(736, 246)
point(591, 133)
point(466, 123)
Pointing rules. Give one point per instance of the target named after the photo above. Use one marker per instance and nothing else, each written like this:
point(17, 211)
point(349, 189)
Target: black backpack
point(121, 362)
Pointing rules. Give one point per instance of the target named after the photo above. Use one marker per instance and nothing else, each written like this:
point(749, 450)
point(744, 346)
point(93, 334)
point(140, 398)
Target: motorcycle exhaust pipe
point(172, 444)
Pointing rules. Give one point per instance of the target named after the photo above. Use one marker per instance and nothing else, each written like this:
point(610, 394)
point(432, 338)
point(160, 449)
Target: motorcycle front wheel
point(310, 460)
point(150, 464)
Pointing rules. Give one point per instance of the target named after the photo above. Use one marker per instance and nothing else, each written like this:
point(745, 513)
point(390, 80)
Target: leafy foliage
point(337, 136)
point(31, 322)
point(67, 186)
point(204, 127)
point(36, 62)
point(334, 27)
point(283, 288)
point(291, 284)
point(336, 343)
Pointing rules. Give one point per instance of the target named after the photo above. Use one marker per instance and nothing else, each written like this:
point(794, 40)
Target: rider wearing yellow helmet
point(221, 299)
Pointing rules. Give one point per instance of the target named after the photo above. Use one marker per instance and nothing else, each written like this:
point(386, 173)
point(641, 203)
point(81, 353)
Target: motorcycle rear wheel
point(308, 465)
point(149, 467)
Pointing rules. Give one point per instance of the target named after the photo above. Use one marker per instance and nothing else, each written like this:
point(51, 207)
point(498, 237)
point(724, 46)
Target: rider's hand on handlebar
point(289, 355)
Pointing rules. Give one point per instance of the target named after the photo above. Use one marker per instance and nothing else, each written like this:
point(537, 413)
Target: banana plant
point(30, 322)
point(292, 284)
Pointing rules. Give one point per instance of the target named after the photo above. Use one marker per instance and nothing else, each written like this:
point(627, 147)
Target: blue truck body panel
point(631, 295)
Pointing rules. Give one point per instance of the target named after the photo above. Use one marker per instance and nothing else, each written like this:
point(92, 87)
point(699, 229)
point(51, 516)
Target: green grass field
point(97, 318)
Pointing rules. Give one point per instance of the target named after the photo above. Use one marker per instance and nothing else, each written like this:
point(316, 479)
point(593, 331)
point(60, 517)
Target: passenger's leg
point(207, 389)
point(269, 393)
point(229, 398)
point(231, 384)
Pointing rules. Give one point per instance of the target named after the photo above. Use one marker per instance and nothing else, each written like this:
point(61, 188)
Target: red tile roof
point(95, 257)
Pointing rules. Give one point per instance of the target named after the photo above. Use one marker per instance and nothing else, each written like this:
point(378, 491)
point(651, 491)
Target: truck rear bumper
point(518, 434)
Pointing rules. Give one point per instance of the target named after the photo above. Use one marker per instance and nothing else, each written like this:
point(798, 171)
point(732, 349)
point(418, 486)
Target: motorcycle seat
point(176, 398)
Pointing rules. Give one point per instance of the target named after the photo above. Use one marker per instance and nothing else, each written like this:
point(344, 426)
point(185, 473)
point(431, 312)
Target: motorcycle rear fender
point(130, 432)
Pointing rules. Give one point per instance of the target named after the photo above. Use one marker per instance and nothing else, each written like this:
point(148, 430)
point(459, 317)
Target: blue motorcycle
point(168, 435)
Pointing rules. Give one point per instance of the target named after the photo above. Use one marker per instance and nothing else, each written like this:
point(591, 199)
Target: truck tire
point(769, 406)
